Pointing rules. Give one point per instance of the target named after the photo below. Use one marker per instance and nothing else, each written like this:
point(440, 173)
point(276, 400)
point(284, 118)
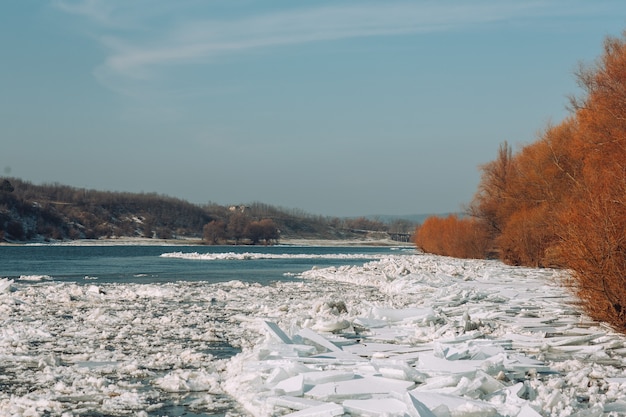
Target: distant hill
point(58, 212)
point(55, 212)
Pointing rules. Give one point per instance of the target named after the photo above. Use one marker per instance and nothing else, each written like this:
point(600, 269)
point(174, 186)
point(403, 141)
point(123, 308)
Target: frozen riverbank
point(405, 335)
point(130, 241)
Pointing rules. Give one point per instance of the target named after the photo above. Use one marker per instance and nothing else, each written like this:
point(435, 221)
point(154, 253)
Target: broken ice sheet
point(323, 410)
point(456, 404)
point(363, 387)
point(376, 407)
point(161, 335)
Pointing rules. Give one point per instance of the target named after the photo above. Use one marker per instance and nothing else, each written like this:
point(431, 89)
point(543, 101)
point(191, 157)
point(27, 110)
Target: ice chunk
point(35, 278)
point(525, 364)
point(569, 340)
point(394, 315)
point(291, 350)
point(618, 406)
point(376, 407)
point(310, 335)
point(94, 290)
point(358, 388)
point(488, 384)
point(390, 335)
point(293, 386)
point(367, 349)
point(331, 326)
point(398, 369)
point(513, 395)
point(277, 332)
point(616, 380)
point(429, 362)
point(457, 404)
point(417, 408)
point(322, 377)
point(479, 382)
point(439, 382)
point(323, 410)
point(189, 381)
point(5, 285)
point(485, 352)
point(340, 356)
point(125, 401)
point(363, 323)
point(294, 403)
point(277, 375)
point(528, 411)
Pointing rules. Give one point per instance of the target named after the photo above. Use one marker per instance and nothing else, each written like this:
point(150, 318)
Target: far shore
point(140, 241)
point(343, 242)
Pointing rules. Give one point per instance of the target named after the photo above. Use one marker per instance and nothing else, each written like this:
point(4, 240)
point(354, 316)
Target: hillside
point(53, 212)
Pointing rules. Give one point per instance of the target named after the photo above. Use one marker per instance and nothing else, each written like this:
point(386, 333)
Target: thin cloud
point(206, 39)
point(92, 9)
point(104, 14)
point(139, 54)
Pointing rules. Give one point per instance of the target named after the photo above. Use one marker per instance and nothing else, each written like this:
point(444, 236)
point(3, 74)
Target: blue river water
point(144, 264)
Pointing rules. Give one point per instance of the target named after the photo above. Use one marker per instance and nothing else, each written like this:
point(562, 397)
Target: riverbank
point(141, 241)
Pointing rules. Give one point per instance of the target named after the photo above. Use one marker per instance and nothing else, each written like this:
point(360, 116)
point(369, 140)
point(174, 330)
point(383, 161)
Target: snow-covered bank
point(407, 335)
point(140, 241)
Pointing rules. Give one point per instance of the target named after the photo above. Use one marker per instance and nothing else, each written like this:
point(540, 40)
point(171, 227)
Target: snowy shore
point(407, 335)
point(129, 241)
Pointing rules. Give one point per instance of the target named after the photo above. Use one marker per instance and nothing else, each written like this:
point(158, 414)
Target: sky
point(336, 108)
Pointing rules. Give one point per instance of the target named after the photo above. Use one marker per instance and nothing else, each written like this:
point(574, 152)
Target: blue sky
point(340, 108)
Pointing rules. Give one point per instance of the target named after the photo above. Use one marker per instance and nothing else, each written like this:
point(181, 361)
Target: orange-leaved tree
point(593, 226)
point(453, 236)
point(560, 200)
point(492, 204)
point(540, 183)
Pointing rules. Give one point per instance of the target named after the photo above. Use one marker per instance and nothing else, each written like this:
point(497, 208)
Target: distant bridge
point(401, 237)
point(396, 236)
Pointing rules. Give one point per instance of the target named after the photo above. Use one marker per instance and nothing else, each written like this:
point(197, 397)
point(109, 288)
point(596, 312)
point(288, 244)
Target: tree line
point(561, 200)
point(54, 211)
point(30, 212)
point(264, 223)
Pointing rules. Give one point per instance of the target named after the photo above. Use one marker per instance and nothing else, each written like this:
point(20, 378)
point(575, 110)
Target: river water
point(144, 264)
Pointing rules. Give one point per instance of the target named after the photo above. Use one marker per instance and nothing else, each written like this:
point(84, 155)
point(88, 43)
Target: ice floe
point(35, 278)
point(233, 256)
point(405, 335)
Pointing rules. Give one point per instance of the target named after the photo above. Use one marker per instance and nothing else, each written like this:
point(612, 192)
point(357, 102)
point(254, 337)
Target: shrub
point(451, 236)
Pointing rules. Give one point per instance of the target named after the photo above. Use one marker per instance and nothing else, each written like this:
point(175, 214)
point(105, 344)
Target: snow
point(230, 256)
point(404, 335)
point(34, 277)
